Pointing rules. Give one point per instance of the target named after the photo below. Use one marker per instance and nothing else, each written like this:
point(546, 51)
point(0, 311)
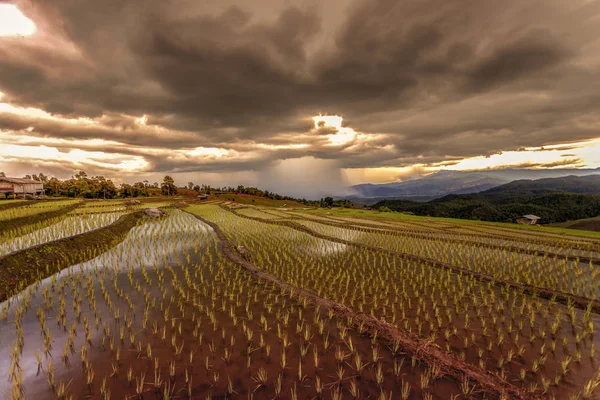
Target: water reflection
point(177, 239)
point(69, 226)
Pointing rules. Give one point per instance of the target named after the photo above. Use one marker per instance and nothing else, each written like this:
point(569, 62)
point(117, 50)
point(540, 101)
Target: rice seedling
point(372, 283)
point(67, 226)
point(35, 208)
point(166, 312)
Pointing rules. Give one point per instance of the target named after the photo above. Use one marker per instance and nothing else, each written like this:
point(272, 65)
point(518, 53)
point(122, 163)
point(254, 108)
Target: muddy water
point(164, 266)
point(414, 296)
point(502, 319)
point(155, 244)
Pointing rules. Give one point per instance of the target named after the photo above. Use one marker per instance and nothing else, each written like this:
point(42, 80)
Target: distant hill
point(443, 183)
point(553, 199)
point(570, 184)
point(430, 187)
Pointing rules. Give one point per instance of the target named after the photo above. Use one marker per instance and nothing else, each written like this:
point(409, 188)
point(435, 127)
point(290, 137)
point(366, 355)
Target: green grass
point(258, 201)
point(349, 212)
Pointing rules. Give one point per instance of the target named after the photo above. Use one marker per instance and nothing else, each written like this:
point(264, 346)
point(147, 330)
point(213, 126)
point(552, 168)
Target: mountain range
point(553, 199)
point(443, 183)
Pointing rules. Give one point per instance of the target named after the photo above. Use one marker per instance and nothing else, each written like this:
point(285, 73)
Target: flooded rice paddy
point(164, 314)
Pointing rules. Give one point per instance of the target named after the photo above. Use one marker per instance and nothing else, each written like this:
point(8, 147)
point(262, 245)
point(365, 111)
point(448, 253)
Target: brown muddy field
point(590, 225)
point(186, 323)
point(539, 345)
point(170, 311)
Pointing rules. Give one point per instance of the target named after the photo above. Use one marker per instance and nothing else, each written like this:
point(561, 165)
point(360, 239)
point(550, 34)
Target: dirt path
point(560, 297)
point(421, 349)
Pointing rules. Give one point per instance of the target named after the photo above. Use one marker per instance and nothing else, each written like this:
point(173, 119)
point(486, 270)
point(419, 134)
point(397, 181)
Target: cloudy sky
point(302, 97)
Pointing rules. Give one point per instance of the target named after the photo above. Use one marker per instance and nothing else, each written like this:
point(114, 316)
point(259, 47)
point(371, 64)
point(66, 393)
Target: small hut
point(528, 219)
point(202, 196)
point(21, 188)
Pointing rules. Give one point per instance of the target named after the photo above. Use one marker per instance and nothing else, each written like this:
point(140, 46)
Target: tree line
point(82, 185)
point(502, 207)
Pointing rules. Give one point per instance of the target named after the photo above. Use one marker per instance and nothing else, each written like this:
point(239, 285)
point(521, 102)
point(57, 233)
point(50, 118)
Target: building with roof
point(20, 188)
point(528, 219)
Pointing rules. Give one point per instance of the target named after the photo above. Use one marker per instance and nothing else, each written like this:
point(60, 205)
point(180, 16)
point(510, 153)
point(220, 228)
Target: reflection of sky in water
point(316, 246)
point(70, 226)
point(155, 243)
point(327, 248)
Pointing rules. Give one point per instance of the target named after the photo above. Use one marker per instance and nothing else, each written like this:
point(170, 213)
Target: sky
point(300, 97)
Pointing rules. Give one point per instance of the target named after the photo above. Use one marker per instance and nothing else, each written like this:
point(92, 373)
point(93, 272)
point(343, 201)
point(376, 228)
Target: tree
point(52, 187)
point(139, 189)
point(2, 174)
point(168, 187)
point(126, 190)
point(190, 185)
point(81, 187)
point(100, 187)
point(42, 178)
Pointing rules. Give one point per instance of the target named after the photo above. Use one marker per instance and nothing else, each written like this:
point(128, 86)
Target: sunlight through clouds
point(342, 135)
point(574, 155)
point(14, 23)
point(207, 151)
point(235, 87)
point(76, 157)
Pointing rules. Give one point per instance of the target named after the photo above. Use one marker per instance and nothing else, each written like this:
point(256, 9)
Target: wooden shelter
point(21, 188)
point(528, 219)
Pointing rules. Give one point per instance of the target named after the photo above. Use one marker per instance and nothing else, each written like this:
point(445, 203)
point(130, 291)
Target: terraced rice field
point(69, 226)
point(96, 207)
point(211, 302)
point(7, 203)
point(35, 208)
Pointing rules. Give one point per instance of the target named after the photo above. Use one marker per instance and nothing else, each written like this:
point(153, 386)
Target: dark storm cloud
point(531, 54)
point(116, 131)
point(439, 80)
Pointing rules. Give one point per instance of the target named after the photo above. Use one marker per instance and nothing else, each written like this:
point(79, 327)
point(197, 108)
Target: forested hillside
point(554, 200)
